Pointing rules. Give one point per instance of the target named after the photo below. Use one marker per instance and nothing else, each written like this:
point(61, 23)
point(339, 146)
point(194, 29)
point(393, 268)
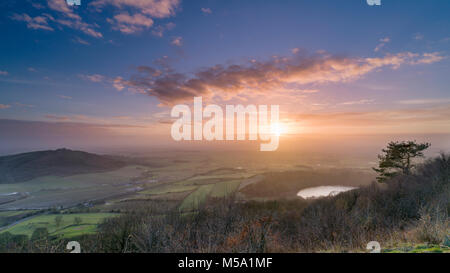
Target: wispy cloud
point(80, 41)
point(37, 5)
point(4, 106)
point(418, 36)
point(206, 10)
point(309, 91)
point(24, 105)
point(154, 8)
point(66, 17)
point(295, 50)
point(358, 102)
point(93, 77)
point(429, 58)
point(4, 73)
point(144, 11)
point(177, 41)
point(159, 30)
point(64, 97)
point(61, 6)
point(118, 83)
point(131, 16)
point(126, 23)
point(71, 19)
point(382, 43)
point(59, 118)
point(38, 22)
point(425, 101)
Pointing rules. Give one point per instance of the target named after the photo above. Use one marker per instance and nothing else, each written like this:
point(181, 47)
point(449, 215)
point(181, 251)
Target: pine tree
point(398, 157)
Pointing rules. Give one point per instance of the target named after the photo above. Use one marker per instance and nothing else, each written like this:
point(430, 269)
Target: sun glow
point(278, 129)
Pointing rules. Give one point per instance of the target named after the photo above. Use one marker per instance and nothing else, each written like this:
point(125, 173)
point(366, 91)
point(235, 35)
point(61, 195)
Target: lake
point(323, 191)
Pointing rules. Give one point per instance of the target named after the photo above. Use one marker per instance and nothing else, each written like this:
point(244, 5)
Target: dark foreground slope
point(61, 162)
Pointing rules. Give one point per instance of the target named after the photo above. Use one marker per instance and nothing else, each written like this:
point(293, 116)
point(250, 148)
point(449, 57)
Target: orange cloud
point(71, 19)
point(38, 22)
point(154, 8)
point(127, 23)
point(177, 41)
point(382, 43)
point(262, 77)
point(143, 12)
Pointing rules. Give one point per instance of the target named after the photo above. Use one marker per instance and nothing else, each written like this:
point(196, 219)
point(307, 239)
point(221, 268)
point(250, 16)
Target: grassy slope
point(199, 196)
point(67, 228)
point(419, 248)
point(62, 162)
point(224, 188)
point(193, 200)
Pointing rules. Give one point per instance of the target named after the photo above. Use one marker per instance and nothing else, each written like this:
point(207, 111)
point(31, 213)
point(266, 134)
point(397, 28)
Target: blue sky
point(81, 64)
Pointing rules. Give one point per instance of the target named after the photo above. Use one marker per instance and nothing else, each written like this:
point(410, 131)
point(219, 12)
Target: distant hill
point(61, 162)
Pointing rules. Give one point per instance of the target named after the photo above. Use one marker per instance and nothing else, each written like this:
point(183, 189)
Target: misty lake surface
point(323, 191)
point(9, 194)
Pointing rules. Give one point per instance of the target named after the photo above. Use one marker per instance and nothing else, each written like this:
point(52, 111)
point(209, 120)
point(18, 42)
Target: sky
point(109, 71)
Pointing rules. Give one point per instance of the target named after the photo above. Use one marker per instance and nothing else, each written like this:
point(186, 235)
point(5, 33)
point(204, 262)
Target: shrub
point(433, 227)
point(39, 234)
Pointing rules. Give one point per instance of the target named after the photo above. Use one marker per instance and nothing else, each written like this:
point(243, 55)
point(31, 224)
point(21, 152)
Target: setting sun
point(278, 129)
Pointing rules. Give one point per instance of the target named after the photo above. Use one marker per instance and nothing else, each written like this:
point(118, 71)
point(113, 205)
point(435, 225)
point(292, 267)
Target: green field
point(67, 227)
point(193, 200)
point(217, 190)
point(50, 191)
point(8, 217)
point(224, 188)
